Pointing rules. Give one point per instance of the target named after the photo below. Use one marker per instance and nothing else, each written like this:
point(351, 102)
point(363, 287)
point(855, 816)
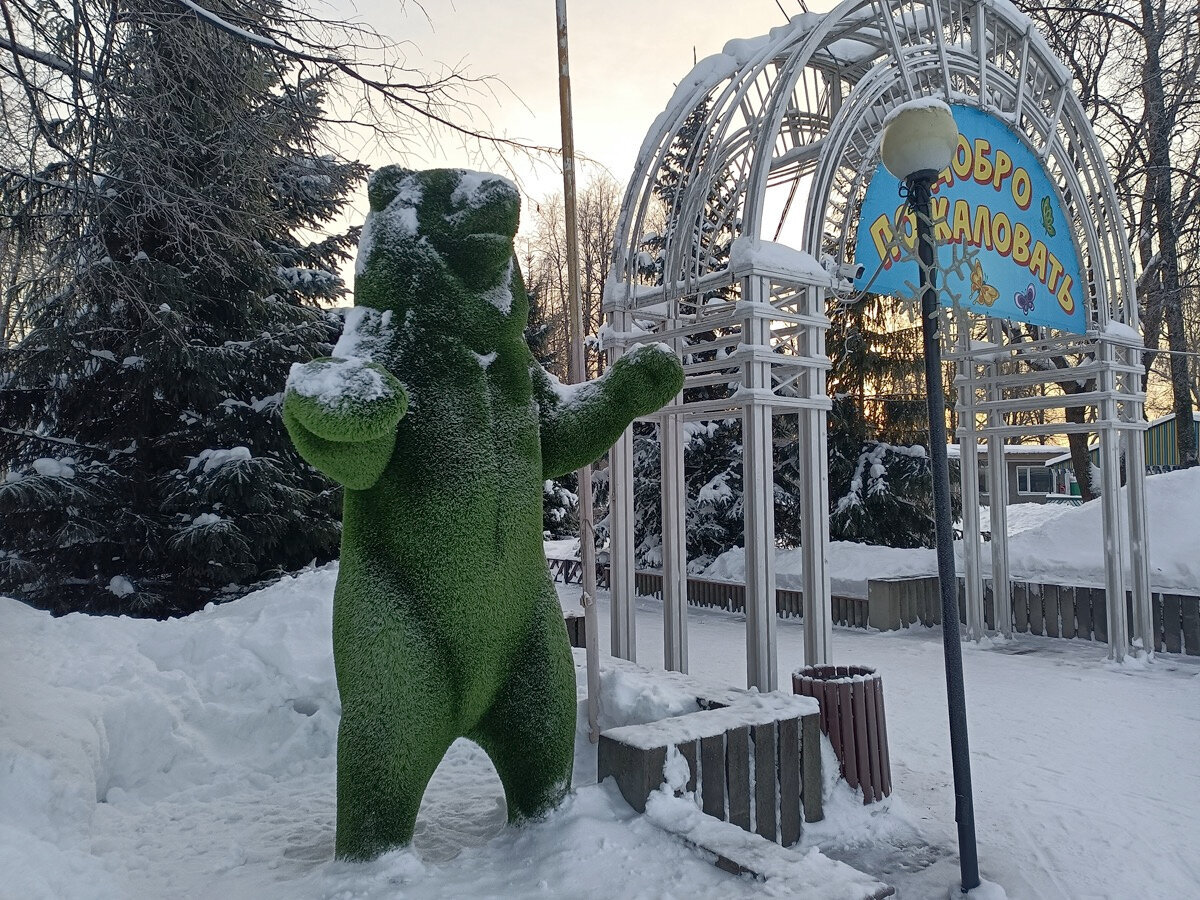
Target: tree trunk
point(1159, 172)
point(1081, 457)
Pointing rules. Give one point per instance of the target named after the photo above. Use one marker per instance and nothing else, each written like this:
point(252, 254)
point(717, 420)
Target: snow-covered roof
point(954, 451)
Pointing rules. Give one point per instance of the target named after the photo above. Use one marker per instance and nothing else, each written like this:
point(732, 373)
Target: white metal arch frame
point(778, 137)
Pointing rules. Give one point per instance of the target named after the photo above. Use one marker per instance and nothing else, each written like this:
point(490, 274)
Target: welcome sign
point(995, 197)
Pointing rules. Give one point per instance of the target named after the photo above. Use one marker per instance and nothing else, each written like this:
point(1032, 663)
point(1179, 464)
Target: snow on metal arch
point(784, 129)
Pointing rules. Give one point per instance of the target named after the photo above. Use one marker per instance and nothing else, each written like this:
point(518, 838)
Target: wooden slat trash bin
point(851, 699)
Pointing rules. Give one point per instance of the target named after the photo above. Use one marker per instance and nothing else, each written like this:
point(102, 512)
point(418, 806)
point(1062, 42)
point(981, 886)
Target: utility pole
point(576, 373)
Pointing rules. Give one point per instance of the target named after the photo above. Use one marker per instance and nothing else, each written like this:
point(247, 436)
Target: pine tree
point(879, 468)
point(147, 468)
point(712, 450)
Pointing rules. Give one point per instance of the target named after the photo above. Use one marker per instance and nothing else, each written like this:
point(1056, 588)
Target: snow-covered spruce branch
point(58, 441)
point(872, 472)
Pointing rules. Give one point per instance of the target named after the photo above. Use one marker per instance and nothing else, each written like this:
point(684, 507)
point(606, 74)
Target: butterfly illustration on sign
point(981, 292)
point(1024, 299)
point(1048, 216)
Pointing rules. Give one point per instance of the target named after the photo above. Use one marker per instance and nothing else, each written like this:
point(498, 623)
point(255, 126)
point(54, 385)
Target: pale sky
point(626, 57)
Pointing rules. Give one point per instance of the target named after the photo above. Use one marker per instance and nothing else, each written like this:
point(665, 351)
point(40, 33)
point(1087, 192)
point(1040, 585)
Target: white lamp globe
point(918, 136)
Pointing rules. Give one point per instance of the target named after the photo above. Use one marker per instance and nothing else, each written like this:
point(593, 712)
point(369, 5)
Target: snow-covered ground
point(194, 758)
point(1048, 543)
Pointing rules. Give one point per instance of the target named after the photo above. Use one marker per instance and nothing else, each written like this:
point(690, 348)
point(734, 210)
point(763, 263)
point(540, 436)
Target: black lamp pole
point(919, 186)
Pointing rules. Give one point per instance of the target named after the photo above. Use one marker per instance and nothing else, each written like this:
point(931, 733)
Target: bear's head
point(441, 236)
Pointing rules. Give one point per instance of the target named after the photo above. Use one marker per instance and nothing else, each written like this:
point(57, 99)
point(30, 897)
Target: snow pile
point(808, 874)
point(54, 468)
point(936, 103)
point(565, 548)
point(195, 758)
point(1069, 548)
point(1024, 516)
point(214, 458)
point(398, 218)
point(850, 566)
point(1085, 774)
point(1049, 543)
point(475, 189)
point(987, 890)
point(1124, 333)
point(121, 586)
point(630, 696)
point(109, 724)
point(366, 333)
point(919, 135)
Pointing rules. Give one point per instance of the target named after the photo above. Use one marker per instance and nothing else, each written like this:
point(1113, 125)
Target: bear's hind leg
point(397, 723)
point(529, 732)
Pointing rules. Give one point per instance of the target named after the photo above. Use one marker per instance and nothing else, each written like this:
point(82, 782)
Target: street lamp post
point(918, 142)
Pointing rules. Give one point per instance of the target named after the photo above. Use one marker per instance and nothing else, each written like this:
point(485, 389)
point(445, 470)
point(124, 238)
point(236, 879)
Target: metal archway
point(773, 142)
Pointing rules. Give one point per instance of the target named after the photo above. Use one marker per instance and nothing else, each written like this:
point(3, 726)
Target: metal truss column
point(623, 638)
point(1110, 500)
point(758, 482)
point(674, 540)
point(968, 465)
point(998, 497)
point(814, 483)
point(1139, 551)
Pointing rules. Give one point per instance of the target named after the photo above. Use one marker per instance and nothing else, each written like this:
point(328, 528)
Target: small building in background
point(1162, 455)
point(1029, 481)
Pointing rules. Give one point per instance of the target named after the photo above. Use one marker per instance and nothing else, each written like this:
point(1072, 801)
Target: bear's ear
point(386, 184)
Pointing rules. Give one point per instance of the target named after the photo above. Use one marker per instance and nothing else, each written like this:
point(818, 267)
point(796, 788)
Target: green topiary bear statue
point(436, 418)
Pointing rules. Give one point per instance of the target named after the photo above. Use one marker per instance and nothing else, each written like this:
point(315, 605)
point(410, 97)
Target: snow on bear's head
point(469, 218)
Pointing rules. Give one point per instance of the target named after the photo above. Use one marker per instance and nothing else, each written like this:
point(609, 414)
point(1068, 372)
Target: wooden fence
point(1053, 610)
point(726, 595)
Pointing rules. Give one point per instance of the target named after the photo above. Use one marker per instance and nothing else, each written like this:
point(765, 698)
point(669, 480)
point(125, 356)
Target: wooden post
point(578, 373)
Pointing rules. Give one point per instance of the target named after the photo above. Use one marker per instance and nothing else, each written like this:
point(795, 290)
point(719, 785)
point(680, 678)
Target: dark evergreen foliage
point(560, 502)
point(148, 471)
point(712, 450)
point(885, 490)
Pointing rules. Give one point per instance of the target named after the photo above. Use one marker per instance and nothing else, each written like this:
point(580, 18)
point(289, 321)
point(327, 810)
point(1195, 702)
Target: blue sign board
point(996, 198)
